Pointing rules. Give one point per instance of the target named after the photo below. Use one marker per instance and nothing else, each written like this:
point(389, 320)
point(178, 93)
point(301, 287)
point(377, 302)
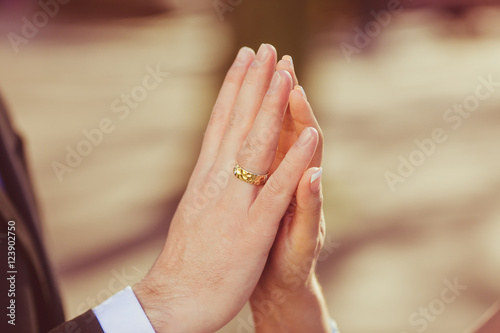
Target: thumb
point(305, 230)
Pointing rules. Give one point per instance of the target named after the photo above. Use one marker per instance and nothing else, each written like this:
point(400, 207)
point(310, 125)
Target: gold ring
point(248, 177)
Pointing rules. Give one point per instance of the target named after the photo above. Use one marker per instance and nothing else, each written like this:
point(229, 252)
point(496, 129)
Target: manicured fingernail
point(275, 83)
point(263, 53)
point(316, 181)
point(302, 91)
point(306, 135)
point(288, 58)
point(243, 55)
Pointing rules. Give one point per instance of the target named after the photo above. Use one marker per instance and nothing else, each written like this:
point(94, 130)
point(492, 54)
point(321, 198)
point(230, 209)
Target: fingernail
point(275, 83)
point(316, 181)
point(306, 135)
point(288, 58)
point(243, 56)
point(302, 91)
point(263, 53)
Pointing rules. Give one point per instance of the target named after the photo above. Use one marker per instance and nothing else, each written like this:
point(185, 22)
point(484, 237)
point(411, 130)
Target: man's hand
point(224, 228)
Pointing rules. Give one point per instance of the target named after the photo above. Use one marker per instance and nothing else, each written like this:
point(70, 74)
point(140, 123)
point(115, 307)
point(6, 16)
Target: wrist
point(164, 306)
point(171, 308)
point(300, 310)
point(151, 302)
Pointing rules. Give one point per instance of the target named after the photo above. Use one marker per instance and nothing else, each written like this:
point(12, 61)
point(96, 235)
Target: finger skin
point(259, 148)
point(303, 117)
point(299, 240)
point(225, 102)
point(288, 132)
point(492, 324)
point(288, 64)
point(249, 101)
point(306, 232)
point(291, 262)
point(216, 249)
point(276, 195)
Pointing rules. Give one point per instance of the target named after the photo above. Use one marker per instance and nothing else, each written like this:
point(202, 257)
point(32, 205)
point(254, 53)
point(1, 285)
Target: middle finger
point(249, 100)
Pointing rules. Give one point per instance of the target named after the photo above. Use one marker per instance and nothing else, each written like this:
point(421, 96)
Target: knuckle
point(237, 119)
point(243, 159)
point(270, 108)
point(275, 186)
point(315, 207)
point(218, 112)
point(252, 78)
point(235, 74)
point(252, 145)
point(274, 194)
point(265, 136)
point(299, 155)
point(268, 205)
point(288, 168)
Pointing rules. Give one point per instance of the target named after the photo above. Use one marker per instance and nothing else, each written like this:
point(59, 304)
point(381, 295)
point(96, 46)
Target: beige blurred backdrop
point(384, 77)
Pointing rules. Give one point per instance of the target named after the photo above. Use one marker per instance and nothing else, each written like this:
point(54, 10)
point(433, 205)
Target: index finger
point(223, 106)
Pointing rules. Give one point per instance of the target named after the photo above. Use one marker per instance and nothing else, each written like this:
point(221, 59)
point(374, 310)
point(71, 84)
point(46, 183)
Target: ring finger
point(259, 148)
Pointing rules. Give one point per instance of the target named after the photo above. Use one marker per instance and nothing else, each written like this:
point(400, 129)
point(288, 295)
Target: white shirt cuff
point(122, 313)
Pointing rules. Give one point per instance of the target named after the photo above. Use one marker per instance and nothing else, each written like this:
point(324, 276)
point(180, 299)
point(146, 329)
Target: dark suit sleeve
point(85, 323)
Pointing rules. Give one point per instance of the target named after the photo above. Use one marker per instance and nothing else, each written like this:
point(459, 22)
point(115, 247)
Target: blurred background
point(413, 216)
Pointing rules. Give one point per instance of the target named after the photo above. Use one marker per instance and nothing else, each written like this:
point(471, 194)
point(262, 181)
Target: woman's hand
point(224, 228)
point(288, 297)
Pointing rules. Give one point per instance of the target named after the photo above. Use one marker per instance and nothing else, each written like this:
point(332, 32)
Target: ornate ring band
point(248, 177)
